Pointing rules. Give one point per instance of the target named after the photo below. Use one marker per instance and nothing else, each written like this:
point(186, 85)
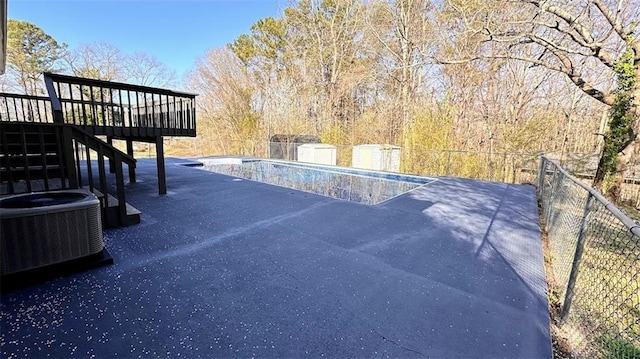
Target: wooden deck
point(101, 108)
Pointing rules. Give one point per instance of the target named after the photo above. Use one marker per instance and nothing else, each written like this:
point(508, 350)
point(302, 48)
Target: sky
point(174, 31)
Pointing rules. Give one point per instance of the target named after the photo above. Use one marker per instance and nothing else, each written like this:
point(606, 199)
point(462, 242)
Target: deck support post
point(132, 170)
point(162, 181)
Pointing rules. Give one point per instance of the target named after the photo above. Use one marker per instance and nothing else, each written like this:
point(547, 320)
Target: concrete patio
point(221, 267)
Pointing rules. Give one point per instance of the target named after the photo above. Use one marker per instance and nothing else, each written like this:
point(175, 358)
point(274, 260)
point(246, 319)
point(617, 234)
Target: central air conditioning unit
point(377, 157)
point(319, 153)
point(41, 229)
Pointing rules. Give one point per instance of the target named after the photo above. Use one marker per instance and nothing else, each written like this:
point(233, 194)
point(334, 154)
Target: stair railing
point(83, 141)
point(31, 150)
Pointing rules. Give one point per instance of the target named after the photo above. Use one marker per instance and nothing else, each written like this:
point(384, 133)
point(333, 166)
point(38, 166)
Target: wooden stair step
point(111, 212)
point(113, 202)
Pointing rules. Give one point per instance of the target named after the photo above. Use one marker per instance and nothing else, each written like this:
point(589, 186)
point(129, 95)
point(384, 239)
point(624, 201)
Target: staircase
point(47, 157)
point(31, 159)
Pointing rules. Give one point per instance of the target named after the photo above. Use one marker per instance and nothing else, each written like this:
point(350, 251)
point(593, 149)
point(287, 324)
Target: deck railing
point(40, 155)
point(25, 108)
point(121, 110)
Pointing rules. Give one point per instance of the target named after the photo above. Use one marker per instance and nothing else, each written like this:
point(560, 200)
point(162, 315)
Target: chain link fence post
point(542, 172)
point(555, 183)
point(577, 259)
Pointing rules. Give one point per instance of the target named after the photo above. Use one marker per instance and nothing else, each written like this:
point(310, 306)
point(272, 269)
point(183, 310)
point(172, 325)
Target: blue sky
point(175, 31)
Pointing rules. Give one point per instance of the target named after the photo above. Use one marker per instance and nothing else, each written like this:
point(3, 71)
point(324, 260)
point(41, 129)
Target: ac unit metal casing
point(319, 153)
point(377, 157)
point(55, 232)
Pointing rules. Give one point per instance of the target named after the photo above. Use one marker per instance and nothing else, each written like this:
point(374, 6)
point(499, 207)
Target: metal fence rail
point(595, 252)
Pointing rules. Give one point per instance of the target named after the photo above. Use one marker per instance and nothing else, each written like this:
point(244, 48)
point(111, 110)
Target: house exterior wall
point(3, 35)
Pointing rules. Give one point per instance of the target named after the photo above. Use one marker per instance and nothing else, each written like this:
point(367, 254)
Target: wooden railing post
point(132, 170)
point(112, 168)
point(122, 203)
point(5, 149)
point(58, 115)
point(25, 158)
point(102, 178)
point(69, 161)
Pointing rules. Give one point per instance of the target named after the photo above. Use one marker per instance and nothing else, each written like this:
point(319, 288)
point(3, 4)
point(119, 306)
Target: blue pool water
point(367, 187)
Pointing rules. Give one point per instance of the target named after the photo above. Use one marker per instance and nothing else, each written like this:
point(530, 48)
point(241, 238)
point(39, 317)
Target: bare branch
point(552, 45)
point(567, 17)
point(556, 26)
point(566, 69)
point(613, 19)
point(594, 46)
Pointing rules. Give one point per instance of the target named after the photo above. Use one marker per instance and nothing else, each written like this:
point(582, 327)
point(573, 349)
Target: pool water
point(361, 186)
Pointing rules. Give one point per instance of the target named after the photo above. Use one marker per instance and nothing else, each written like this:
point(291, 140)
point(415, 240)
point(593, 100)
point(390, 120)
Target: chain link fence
point(595, 251)
point(489, 166)
point(584, 165)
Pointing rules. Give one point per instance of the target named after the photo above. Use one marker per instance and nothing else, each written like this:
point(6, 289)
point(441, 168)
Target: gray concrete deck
point(224, 268)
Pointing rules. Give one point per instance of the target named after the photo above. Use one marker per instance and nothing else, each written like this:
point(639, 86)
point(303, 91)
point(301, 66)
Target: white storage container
point(319, 153)
point(377, 157)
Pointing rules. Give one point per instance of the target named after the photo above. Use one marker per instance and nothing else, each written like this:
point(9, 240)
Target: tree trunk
point(617, 159)
point(611, 183)
point(624, 164)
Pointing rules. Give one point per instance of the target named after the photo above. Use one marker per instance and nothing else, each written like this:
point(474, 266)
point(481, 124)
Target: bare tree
point(225, 103)
point(146, 70)
point(580, 40)
point(98, 60)
point(326, 36)
point(403, 28)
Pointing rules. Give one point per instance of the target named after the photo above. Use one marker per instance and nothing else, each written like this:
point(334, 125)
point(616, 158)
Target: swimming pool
point(361, 186)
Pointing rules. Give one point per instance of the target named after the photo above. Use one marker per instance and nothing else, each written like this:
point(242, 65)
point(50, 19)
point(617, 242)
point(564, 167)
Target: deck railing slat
point(25, 158)
point(7, 158)
point(43, 157)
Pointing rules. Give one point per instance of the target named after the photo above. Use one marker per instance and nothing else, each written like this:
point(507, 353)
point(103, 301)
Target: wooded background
point(492, 77)
point(484, 76)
